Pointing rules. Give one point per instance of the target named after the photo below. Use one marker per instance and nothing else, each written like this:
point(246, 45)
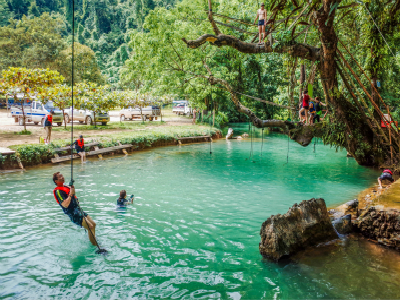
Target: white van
point(35, 112)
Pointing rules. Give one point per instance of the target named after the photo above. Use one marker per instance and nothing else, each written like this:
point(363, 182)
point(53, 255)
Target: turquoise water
point(193, 231)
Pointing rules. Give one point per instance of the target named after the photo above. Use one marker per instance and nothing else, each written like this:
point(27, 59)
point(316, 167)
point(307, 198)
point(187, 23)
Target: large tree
point(364, 138)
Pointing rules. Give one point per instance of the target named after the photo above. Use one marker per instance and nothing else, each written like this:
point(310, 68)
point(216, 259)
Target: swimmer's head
point(122, 194)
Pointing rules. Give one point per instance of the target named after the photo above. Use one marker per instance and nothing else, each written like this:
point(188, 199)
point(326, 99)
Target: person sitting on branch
point(262, 17)
point(65, 197)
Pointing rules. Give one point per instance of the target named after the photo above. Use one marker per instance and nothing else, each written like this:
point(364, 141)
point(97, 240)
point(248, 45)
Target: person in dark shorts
point(262, 17)
point(386, 174)
point(305, 100)
point(80, 148)
point(65, 197)
point(122, 201)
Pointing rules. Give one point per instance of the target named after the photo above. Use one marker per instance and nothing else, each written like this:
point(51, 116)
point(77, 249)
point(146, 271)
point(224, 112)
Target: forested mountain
point(102, 25)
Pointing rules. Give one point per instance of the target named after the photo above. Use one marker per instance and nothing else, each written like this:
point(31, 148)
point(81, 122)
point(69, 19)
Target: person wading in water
point(65, 197)
point(262, 17)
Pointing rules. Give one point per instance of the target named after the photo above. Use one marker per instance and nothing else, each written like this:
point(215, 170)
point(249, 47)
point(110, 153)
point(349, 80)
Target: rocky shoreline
point(310, 223)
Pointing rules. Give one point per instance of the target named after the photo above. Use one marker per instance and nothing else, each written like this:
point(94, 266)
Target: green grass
point(23, 132)
point(113, 125)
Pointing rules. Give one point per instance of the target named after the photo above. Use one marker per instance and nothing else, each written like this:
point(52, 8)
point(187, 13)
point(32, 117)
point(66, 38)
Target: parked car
point(181, 107)
point(151, 112)
point(86, 116)
point(36, 113)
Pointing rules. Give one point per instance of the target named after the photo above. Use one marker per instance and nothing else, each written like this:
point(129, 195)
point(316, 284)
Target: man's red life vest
point(50, 118)
point(387, 171)
point(61, 188)
point(81, 144)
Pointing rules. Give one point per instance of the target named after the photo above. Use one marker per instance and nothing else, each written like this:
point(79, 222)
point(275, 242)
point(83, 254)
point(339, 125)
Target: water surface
point(193, 231)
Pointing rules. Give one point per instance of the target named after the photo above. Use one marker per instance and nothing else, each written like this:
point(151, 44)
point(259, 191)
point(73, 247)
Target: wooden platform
point(96, 151)
point(5, 152)
point(207, 137)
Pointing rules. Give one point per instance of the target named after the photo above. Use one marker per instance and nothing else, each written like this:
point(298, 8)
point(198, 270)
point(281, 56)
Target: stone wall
point(381, 226)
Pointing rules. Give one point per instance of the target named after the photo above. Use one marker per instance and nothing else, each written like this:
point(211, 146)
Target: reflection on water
point(193, 231)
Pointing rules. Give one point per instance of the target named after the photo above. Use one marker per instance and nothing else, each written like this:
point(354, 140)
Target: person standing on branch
point(305, 100)
point(262, 17)
point(47, 124)
point(80, 148)
point(65, 197)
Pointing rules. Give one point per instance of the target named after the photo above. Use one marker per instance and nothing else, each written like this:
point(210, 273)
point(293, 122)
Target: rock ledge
point(304, 225)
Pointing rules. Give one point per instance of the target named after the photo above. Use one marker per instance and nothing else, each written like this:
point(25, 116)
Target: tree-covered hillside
point(102, 25)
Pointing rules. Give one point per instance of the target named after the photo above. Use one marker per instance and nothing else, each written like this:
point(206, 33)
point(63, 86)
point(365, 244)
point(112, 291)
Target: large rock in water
point(302, 226)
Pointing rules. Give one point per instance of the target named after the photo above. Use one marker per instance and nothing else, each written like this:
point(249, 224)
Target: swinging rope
point(72, 114)
point(71, 183)
point(262, 139)
point(287, 157)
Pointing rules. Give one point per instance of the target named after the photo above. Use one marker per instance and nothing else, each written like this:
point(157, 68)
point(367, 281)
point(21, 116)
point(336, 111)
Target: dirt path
point(8, 129)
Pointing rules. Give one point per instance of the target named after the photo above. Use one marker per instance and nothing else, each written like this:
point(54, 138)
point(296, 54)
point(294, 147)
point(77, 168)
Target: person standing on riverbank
point(262, 17)
point(48, 124)
point(386, 174)
point(194, 117)
point(65, 197)
point(80, 148)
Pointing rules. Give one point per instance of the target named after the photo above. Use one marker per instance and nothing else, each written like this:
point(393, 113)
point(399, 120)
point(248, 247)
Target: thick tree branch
point(295, 49)
point(211, 19)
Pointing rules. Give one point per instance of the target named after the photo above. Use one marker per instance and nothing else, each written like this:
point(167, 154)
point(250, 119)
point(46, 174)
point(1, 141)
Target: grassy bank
point(111, 125)
point(34, 154)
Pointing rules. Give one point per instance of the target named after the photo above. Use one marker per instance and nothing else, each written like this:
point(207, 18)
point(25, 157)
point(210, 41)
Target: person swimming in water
point(122, 201)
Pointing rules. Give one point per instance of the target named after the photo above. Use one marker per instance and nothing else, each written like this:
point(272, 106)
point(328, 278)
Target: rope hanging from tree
point(71, 183)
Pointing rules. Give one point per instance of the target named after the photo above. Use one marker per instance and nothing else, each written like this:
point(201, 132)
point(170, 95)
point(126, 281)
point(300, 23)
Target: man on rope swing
point(65, 197)
point(262, 17)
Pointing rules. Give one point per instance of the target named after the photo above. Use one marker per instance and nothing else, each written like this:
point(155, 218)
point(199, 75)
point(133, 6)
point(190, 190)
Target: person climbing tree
point(311, 112)
point(65, 197)
point(318, 109)
point(305, 100)
point(262, 17)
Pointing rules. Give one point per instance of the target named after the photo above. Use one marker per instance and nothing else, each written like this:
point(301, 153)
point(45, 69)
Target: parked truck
point(35, 112)
point(86, 116)
point(181, 107)
point(150, 112)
